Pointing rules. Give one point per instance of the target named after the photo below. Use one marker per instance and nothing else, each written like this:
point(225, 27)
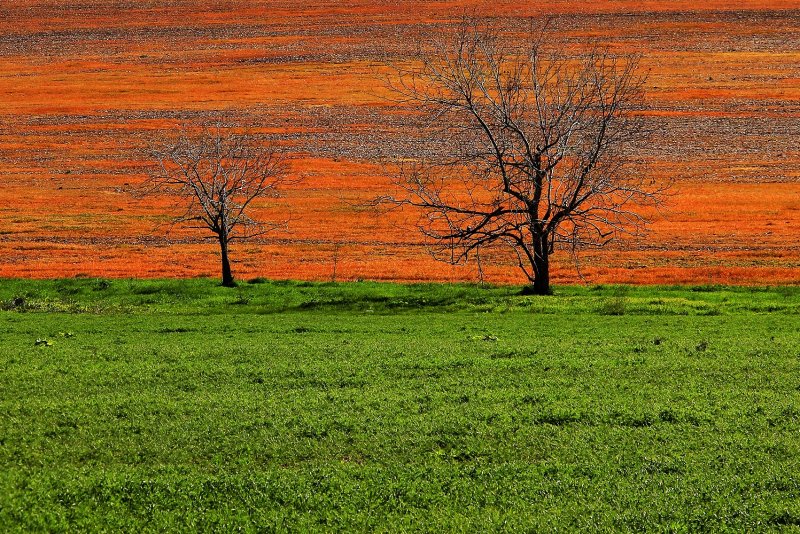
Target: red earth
point(86, 86)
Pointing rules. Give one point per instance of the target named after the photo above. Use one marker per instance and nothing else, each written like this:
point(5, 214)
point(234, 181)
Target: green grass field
point(181, 405)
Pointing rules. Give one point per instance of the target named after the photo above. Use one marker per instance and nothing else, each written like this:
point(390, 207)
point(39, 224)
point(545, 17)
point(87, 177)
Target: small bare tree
point(533, 148)
point(220, 175)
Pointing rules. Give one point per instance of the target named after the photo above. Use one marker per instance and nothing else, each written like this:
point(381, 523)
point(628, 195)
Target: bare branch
point(537, 147)
point(220, 174)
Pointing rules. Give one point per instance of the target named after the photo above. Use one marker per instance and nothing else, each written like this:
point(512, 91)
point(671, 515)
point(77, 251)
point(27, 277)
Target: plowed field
point(85, 85)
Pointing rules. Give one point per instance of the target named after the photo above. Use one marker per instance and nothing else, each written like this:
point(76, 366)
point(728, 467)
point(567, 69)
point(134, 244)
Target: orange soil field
point(86, 85)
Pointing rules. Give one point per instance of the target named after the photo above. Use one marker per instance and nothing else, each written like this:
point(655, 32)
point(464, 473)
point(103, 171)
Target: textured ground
point(84, 87)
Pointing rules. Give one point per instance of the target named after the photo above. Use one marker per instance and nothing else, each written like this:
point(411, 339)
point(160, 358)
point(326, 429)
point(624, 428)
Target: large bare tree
point(220, 175)
point(533, 147)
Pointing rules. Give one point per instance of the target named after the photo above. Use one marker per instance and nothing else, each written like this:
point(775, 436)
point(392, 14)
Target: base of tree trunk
point(533, 290)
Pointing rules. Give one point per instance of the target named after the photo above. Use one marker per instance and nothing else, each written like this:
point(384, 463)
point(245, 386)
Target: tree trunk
point(541, 266)
point(227, 275)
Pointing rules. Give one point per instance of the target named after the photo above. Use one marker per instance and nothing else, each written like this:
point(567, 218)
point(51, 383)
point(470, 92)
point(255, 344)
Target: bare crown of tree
point(221, 174)
point(533, 147)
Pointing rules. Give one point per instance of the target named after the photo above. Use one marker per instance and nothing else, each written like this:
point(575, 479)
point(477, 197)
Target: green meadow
point(286, 406)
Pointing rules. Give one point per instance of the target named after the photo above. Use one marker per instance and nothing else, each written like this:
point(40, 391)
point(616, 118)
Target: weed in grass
point(615, 304)
point(242, 298)
point(102, 285)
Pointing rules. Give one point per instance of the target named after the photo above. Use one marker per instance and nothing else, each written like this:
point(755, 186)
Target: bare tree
point(220, 175)
point(533, 148)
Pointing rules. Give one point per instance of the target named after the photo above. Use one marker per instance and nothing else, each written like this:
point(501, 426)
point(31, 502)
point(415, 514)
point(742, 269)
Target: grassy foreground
point(180, 405)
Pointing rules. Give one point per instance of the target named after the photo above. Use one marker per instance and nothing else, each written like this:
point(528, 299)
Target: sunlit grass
point(174, 405)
